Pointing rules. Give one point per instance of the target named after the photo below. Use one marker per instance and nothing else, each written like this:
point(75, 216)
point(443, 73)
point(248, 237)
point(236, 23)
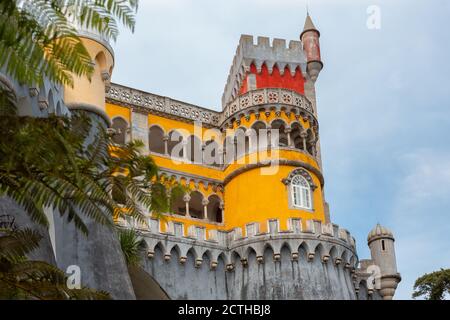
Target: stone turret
point(98, 255)
point(381, 244)
point(266, 64)
point(89, 94)
point(311, 46)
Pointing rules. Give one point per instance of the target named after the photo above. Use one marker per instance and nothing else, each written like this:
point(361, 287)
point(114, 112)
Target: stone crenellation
point(263, 52)
point(311, 233)
point(211, 254)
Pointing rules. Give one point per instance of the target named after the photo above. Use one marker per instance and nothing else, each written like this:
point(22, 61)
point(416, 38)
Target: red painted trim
point(275, 80)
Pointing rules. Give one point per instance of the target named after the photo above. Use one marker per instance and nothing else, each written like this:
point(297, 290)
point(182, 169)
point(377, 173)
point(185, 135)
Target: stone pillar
point(221, 152)
point(186, 199)
point(288, 131)
point(303, 135)
point(166, 144)
point(222, 210)
point(235, 148)
point(205, 203)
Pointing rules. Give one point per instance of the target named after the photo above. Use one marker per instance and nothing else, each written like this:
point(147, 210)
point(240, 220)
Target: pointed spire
point(309, 25)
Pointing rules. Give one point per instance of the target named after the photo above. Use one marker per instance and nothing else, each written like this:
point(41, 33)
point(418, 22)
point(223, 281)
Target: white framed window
point(301, 193)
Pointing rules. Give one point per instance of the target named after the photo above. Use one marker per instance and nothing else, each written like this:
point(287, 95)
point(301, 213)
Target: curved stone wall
point(311, 260)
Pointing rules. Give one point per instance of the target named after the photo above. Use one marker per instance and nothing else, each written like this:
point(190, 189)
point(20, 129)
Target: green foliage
point(24, 279)
point(38, 38)
point(7, 100)
point(131, 246)
point(45, 162)
point(434, 286)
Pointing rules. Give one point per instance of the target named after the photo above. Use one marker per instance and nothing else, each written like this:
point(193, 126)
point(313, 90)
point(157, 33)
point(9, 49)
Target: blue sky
point(383, 102)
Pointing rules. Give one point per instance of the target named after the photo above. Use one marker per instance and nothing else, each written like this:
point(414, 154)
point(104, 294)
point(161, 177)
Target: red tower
point(311, 46)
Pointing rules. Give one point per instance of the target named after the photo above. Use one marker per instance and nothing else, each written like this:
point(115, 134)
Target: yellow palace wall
point(242, 204)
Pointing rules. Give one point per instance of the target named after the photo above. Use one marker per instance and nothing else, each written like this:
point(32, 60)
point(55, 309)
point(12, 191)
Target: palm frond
point(39, 38)
point(130, 245)
point(24, 279)
point(17, 243)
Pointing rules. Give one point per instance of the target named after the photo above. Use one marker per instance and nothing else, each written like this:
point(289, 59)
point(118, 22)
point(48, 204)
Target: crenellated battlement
point(264, 52)
point(255, 255)
point(307, 234)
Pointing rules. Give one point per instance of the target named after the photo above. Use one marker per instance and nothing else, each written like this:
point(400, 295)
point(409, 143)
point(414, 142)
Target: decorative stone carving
point(198, 263)
point(43, 103)
point(300, 171)
point(33, 91)
point(261, 97)
point(157, 104)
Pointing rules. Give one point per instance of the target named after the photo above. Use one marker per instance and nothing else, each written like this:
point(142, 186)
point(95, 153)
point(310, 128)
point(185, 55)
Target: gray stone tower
point(381, 244)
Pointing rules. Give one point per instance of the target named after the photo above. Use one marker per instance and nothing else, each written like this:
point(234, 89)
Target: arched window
point(195, 205)
point(120, 126)
point(301, 192)
point(156, 140)
point(214, 212)
point(282, 137)
point(174, 144)
point(296, 138)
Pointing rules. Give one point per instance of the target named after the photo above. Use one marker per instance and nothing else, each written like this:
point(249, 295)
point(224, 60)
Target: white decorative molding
point(149, 102)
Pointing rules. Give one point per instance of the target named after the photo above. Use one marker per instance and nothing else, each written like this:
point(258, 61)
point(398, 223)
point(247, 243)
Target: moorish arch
point(120, 126)
point(175, 144)
point(196, 205)
point(260, 143)
point(241, 141)
point(156, 139)
point(280, 125)
point(214, 210)
point(211, 154)
point(296, 136)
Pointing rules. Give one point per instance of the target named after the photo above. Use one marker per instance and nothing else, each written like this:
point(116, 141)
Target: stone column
point(166, 144)
point(303, 135)
point(288, 131)
point(205, 203)
point(186, 199)
point(222, 210)
point(221, 152)
point(235, 148)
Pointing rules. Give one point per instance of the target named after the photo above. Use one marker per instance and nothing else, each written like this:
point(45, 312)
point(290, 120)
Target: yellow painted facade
point(249, 197)
point(247, 193)
point(90, 93)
